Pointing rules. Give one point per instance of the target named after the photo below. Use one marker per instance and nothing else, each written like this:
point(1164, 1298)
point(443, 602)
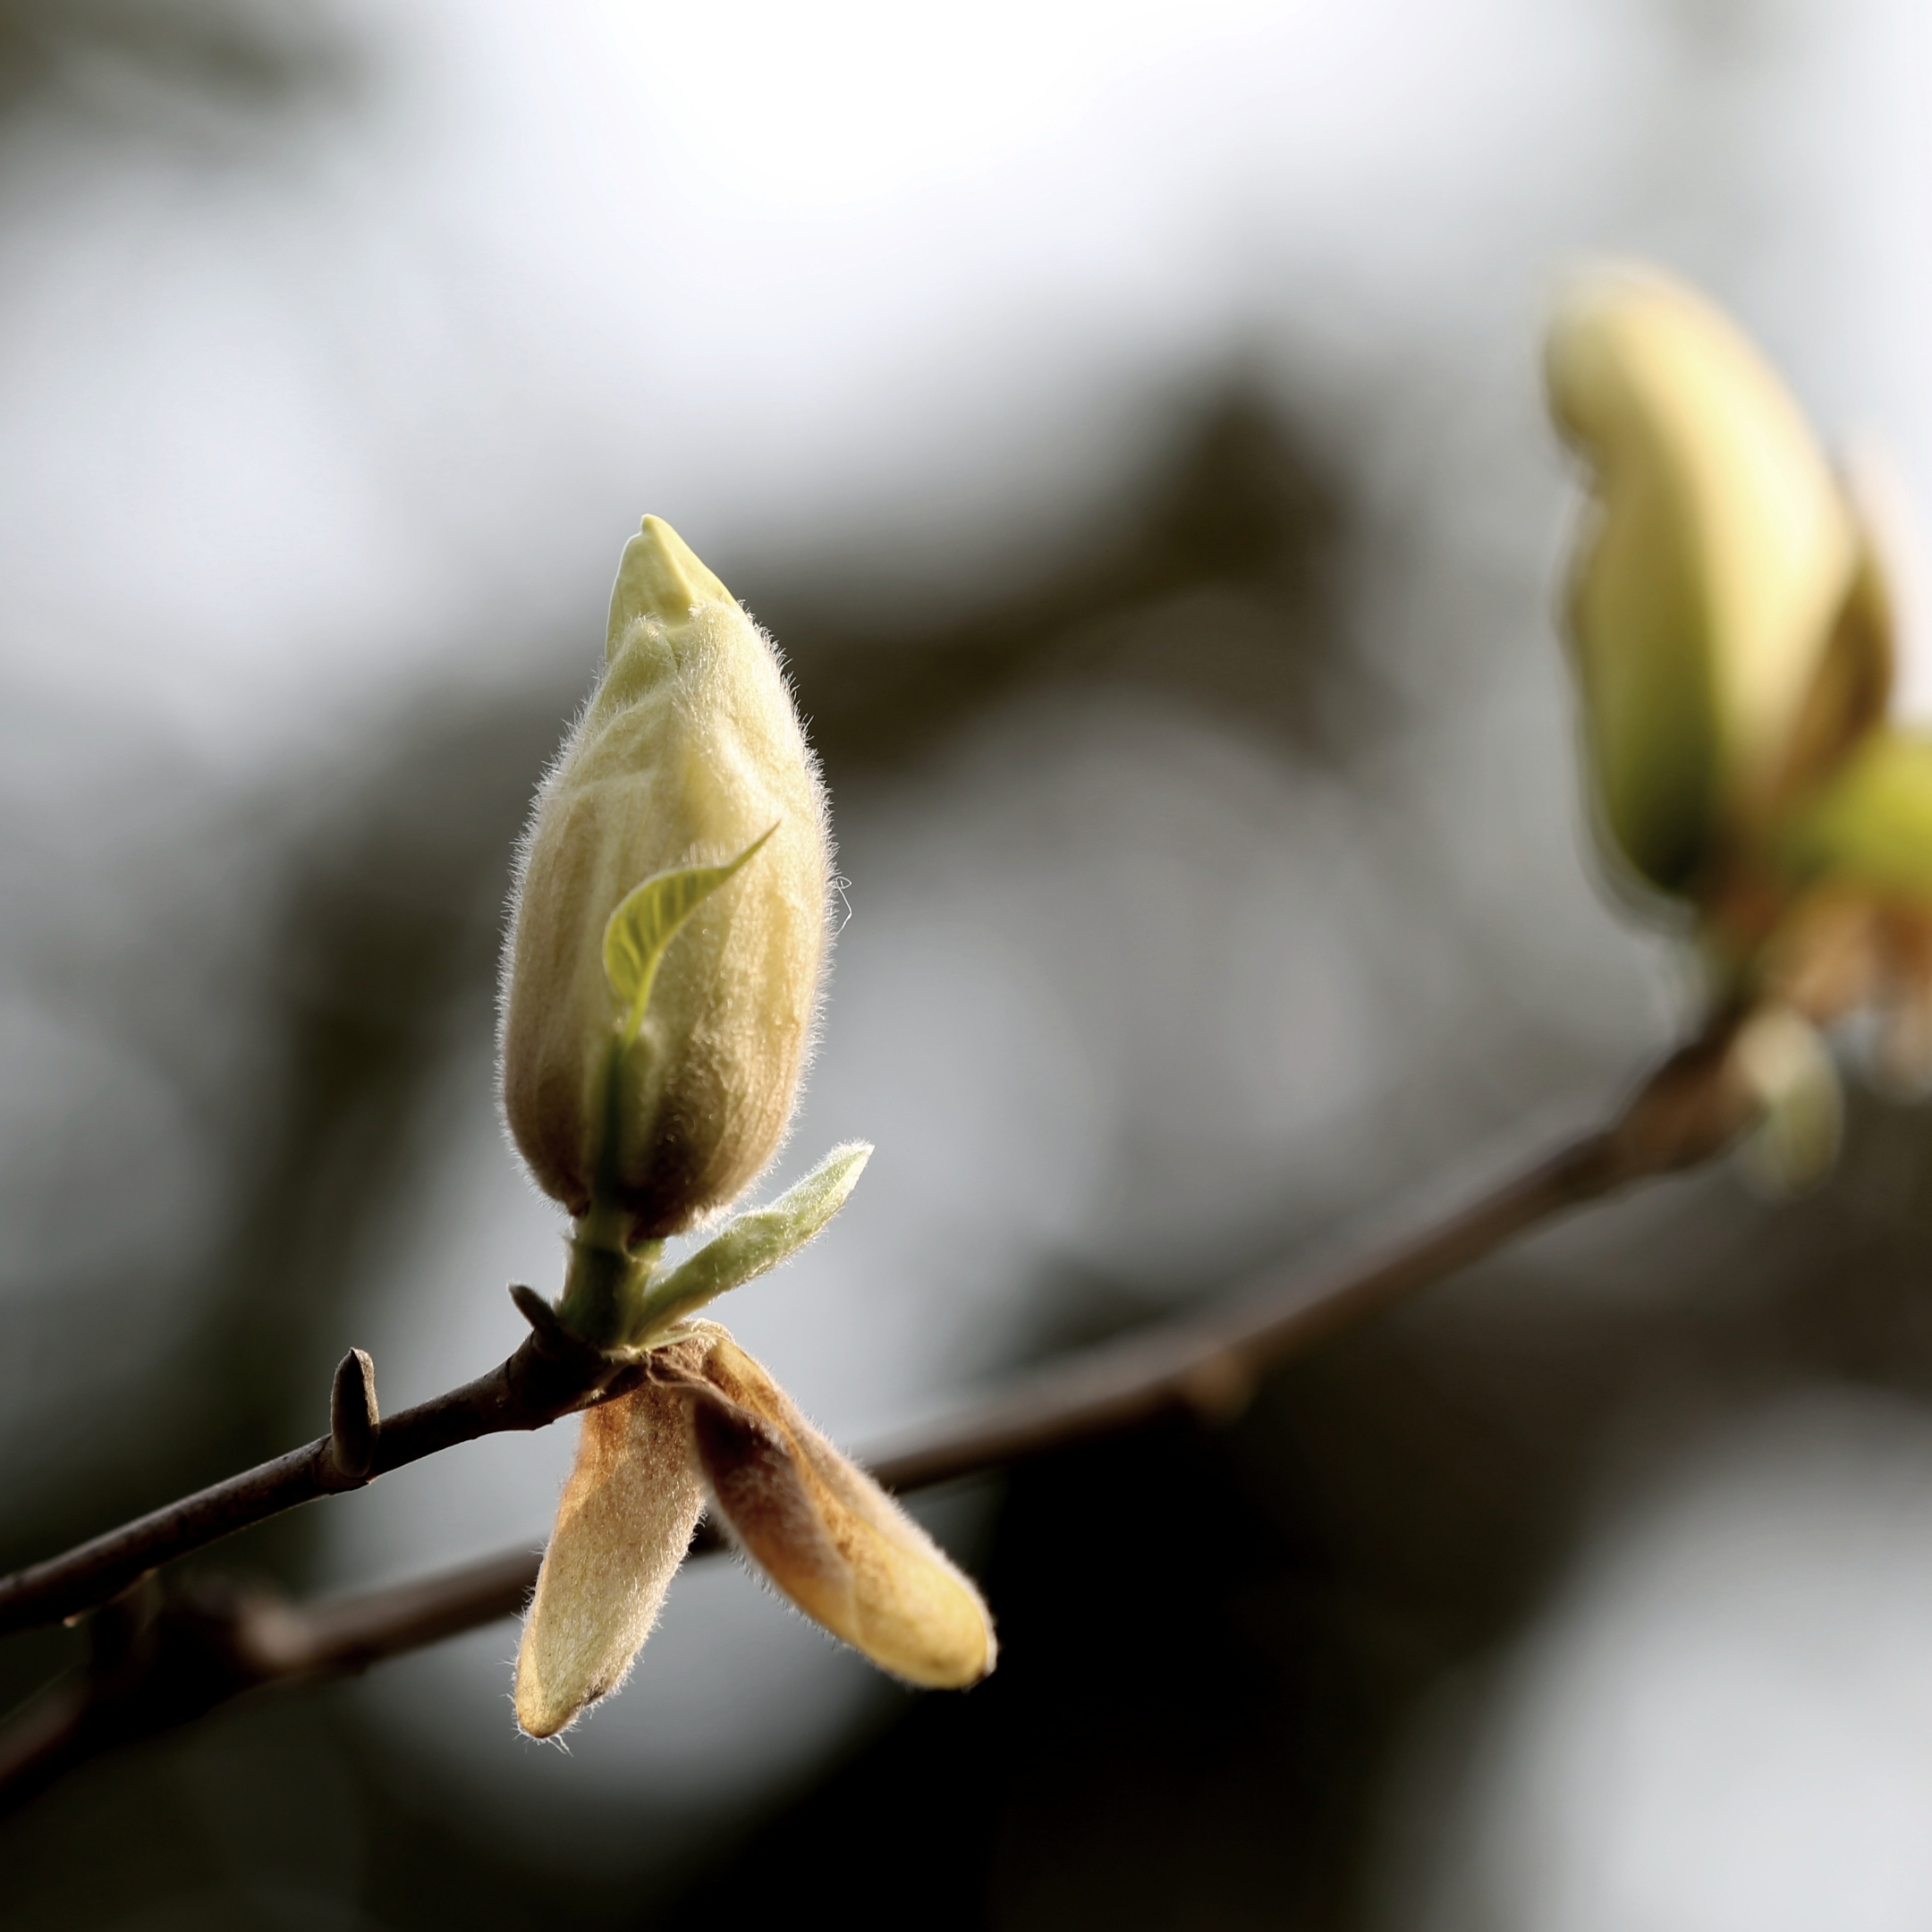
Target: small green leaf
point(647, 920)
point(1871, 827)
point(755, 1242)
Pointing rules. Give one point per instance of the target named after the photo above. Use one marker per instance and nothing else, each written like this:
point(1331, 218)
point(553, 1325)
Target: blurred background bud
point(1709, 579)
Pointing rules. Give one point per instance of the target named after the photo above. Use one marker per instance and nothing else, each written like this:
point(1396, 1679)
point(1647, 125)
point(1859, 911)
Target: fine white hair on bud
point(689, 754)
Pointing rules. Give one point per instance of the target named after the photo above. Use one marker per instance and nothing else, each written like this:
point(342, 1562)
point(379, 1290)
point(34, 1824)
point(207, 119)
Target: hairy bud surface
point(689, 753)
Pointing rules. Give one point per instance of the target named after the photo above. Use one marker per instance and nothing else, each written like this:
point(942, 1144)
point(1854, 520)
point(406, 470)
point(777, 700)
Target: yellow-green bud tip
point(659, 576)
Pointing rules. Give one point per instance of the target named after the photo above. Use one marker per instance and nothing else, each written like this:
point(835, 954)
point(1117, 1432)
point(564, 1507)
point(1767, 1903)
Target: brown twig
point(158, 1665)
point(550, 1376)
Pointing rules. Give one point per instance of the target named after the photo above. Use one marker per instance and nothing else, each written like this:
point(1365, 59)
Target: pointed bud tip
point(1611, 321)
point(660, 576)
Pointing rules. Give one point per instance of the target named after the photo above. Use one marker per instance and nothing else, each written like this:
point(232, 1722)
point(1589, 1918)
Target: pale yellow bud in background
point(829, 1538)
point(690, 751)
point(1712, 587)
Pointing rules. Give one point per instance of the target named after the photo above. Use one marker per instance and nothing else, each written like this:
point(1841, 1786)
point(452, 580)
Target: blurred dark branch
point(269, 57)
point(158, 1664)
point(1219, 580)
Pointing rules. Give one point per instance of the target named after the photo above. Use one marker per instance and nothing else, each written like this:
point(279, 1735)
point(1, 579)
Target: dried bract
point(624, 1524)
point(828, 1536)
point(824, 1534)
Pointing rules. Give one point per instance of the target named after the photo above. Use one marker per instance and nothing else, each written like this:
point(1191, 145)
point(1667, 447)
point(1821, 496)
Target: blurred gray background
point(1127, 420)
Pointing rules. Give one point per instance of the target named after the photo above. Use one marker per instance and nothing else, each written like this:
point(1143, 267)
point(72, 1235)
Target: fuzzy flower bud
point(1715, 594)
point(690, 754)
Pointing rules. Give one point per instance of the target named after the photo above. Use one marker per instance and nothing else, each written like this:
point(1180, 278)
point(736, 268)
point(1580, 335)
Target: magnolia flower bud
point(689, 753)
point(1714, 578)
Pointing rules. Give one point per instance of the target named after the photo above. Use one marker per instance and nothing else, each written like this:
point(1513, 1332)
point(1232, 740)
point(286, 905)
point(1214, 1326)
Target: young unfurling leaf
point(646, 919)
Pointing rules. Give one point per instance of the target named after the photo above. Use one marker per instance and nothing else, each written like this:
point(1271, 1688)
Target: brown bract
point(623, 1528)
point(712, 1422)
point(828, 1536)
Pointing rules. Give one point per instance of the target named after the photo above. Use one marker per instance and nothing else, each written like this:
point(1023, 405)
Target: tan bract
point(621, 1530)
point(689, 750)
point(824, 1533)
point(829, 1538)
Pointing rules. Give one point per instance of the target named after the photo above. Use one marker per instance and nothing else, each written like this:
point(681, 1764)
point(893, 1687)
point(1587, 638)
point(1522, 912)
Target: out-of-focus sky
point(320, 376)
point(331, 397)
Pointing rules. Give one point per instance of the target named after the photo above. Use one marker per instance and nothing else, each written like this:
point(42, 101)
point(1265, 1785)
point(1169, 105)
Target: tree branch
point(550, 1376)
point(158, 1664)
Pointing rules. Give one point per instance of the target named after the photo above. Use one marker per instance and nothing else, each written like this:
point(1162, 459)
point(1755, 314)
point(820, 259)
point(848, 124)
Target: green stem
point(608, 1277)
point(604, 1286)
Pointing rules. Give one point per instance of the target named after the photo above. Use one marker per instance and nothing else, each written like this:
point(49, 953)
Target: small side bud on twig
point(354, 1419)
point(546, 1324)
point(1794, 1144)
point(1761, 1080)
